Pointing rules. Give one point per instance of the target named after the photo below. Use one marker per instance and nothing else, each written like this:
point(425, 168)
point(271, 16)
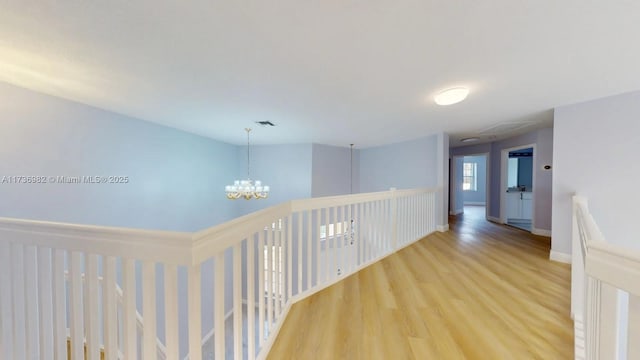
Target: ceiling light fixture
point(246, 188)
point(451, 96)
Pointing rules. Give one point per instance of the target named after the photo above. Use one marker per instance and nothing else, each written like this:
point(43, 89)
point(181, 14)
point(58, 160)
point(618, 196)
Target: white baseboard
point(475, 203)
point(443, 228)
point(456, 212)
point(494, 219)
point(541, 232)
point(560, 257)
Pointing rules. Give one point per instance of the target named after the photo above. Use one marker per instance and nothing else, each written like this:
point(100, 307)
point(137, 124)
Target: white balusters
point(31, 301)
point(369, 221)
point(92, 317)
point(269, 290)
point(290, 257)
point(633, 334)
point(19, 326)
point(261, 279)
point(149, 333)
point(300, 242)
point(328, 258)
point(237, 301)
point(76, 310)
point(35, 317)
point(277, 270)
point(251, 313)
point(130, 334)
point(171, 310)
point(357, 222)
point(6, 311)
point(59, 306)
point(218, 305)
point(110, 308)
point(348, 261)
point(344, 246)
point(316, 235)
point(195, 313)
point(309, 241)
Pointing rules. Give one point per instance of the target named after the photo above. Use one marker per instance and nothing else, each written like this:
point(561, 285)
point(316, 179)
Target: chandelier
point(247, 189)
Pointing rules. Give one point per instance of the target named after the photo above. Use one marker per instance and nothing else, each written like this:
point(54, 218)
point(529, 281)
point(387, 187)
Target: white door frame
point(503, 182)
point(452, 184)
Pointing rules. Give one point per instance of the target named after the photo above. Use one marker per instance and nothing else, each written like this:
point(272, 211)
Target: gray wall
point(480, 195)
point(331, 170)
point(406, 165)
point(596, 146)
point(285, 168)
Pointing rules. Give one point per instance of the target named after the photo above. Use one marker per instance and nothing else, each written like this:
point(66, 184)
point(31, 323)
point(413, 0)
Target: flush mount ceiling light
point(451, 96)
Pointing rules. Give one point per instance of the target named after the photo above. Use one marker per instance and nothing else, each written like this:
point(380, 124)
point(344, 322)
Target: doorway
point(518, 178)
point(469, 184)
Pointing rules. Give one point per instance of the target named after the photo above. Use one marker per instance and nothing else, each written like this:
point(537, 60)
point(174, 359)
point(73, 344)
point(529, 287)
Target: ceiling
point(332, 72)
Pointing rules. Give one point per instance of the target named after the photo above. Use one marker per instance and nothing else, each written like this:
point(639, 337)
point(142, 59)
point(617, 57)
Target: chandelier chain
point(247, 189)
point(248, 130)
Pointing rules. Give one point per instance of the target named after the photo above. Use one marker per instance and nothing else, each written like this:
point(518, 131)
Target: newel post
point(394, 218)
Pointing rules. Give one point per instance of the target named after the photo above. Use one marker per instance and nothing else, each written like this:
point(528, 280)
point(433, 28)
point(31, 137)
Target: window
point(470, 176)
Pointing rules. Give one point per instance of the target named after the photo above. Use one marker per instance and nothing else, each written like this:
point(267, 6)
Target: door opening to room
point(518, 187)
point(470, 193)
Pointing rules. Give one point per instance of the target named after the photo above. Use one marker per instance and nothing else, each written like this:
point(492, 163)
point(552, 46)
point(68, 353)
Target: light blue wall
point(479, 195)
point(410, 164)
point(332, 170)
point(176, 179)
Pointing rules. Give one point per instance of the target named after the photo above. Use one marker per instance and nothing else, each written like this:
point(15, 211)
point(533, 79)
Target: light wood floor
point(479, 291)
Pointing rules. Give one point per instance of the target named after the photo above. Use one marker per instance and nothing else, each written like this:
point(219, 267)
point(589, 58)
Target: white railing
point(64, 282)
point(605, 292)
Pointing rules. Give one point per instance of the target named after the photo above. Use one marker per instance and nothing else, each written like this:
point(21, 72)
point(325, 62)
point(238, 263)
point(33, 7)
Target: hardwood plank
point(479, 291)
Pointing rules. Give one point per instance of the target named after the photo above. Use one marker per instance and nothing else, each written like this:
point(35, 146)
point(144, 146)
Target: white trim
point(560, 257)
point(167, 247)
point(475, 203)
point(541, 232)
point(442, 228)
point(578, 330)
point(494, 219)
point(456, 212)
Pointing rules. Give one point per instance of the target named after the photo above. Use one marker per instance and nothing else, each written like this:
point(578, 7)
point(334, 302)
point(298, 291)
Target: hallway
point(479, 291)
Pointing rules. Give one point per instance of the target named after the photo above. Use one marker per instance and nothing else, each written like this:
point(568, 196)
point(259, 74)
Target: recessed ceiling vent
point(265, 123)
